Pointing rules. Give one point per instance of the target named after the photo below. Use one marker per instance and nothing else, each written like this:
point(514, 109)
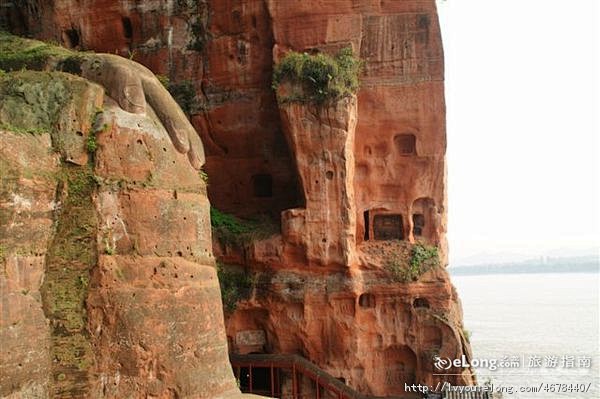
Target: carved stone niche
point(406, 144)
point(250, 341)
point(388, 227)
point(366, 300)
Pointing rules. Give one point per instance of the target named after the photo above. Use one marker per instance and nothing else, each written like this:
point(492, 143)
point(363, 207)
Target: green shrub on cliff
point(231, 230)
point(184, 93)
point(318, 77)
point(407, 267)
point(236, 285)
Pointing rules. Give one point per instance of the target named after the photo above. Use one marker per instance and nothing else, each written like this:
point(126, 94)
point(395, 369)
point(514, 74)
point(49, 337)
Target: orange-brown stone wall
point(313, 275)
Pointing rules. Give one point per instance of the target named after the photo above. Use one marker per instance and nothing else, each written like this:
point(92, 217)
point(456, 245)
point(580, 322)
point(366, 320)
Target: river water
point(537, 319)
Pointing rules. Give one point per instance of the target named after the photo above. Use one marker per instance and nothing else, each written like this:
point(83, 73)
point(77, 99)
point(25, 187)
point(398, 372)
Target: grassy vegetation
point(231, 230)
point(200, 36)
point(164, 80)
point(204, 176)
point(91, 144)
point(409, 267)
point(185, 95)
point(319, 77)
point(236, 285)
point(17, 53)
point(56, 103)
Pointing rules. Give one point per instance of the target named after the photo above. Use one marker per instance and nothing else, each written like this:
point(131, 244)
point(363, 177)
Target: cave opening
point(127, 27)
point(366, 300)
point(400, 363)
point(262, 185)
point(418, 224)
point(388, 227)
point(259, 380)
point(421, 303)
point(71, 38)
point(405, 144)
point(367, 225)
point(423, 212)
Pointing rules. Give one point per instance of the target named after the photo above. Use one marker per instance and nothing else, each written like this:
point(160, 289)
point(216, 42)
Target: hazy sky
point(523, 109)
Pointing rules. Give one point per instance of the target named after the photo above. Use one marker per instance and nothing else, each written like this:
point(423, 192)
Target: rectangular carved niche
point(388, 227)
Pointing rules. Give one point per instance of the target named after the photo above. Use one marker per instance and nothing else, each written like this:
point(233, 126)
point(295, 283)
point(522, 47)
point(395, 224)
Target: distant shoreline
point(557, 266)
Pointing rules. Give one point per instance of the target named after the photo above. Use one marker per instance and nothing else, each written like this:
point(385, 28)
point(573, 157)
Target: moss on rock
point(58, 103)
point(17, 53)
point(317, 78)
point(71, 256)
point(64, 106)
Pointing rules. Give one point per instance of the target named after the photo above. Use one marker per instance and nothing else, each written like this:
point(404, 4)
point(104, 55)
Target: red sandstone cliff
point(108, 285)
point(342, 179)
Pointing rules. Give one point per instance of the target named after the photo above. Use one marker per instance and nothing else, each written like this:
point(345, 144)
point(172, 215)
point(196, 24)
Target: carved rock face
point(108, 280)
point(348, 178)
point(322, 142)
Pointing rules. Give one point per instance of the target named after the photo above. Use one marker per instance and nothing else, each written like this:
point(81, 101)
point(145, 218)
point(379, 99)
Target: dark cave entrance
point(71, 38)
point(421, 303)
point(418, 224)
point(366, 301)
point(127, 27)
point(259, 380)
point(262, 185)
point(367, 225)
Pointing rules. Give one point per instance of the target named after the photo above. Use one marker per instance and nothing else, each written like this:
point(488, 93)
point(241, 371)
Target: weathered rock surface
point(27, 204)
point(362, 327)
point(332, 301)
point(322, 143)
point(345, 312)
point(108, 285)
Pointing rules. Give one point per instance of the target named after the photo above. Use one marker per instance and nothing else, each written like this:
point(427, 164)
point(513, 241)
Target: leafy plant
point(164, 80)
point(185, 95)
point(423, 255)
point(91, 143)
point(203, 176)
point(420, 259)
point(318, 77)
point(199, 35)
point(231, 230)
point(108, 248)
point(236, 285)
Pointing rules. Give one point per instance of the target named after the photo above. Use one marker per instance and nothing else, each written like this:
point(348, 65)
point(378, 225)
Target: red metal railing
point(297, 366)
